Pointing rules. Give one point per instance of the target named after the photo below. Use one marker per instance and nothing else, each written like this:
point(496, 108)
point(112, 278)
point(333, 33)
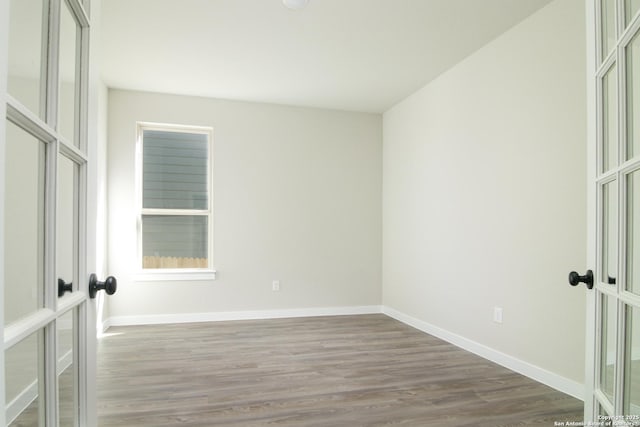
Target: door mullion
point(50, 290)
point(50, 270)
point(51, 178)
point(603, 63)
point(620, 232)
point(619, 395)
point(618, 400)
point(599, 303)
point(51, 168)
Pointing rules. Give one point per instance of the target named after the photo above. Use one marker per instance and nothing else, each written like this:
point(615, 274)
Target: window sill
point(174, 275)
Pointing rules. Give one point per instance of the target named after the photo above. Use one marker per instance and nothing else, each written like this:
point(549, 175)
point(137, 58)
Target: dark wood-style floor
point(365, 370)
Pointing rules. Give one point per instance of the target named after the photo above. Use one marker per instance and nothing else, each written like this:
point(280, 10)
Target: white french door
point(49, 349)
point(613, 340)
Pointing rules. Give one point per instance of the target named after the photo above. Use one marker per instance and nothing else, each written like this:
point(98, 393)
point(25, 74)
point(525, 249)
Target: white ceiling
point(359, 55)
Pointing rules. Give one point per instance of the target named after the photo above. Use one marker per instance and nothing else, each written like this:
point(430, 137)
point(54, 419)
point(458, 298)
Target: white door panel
point(48, 343)
point(613, 330)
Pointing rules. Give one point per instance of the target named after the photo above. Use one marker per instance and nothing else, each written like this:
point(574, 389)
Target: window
point(175, 224)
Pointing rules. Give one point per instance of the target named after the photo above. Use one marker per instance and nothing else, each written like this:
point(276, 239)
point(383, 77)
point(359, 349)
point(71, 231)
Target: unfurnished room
point(319, 212)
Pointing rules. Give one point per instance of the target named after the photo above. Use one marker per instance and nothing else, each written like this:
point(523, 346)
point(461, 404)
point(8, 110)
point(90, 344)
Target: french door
point(49, 349)
point(613, 340)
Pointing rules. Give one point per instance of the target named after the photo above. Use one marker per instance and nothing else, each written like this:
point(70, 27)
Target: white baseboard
point(536, 373)
point(158, 319)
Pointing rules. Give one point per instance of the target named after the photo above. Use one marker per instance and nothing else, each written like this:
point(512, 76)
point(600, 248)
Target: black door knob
point(64, 287)
point(587, 279)
point(110, 285)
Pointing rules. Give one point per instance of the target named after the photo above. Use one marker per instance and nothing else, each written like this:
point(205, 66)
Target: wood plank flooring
point(367, 370)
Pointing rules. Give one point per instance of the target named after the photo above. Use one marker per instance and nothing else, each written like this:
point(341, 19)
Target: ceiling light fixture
point(295, 4)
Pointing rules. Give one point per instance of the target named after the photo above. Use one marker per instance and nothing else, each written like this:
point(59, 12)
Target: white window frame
point(178, 274)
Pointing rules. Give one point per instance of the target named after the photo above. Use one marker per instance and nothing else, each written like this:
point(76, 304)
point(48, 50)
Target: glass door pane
point(25, 53)
point(608, 26)
point(67, 376)
point(24, 224)
point(69, 48)
point(608, 346)
point(66, 220)
point(609, 120)
point(633, 97)
point(23, 382)
point(609, 237)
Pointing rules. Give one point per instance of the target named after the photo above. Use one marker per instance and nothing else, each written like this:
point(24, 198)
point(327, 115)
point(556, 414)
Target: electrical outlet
point(275, 285)
point(497, 314)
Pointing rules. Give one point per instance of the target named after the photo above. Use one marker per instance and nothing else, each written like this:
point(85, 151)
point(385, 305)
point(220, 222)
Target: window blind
point(174, 170)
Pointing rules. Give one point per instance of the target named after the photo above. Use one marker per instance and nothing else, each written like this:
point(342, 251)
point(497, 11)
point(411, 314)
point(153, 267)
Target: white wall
point(297, 198)
point(485, 196)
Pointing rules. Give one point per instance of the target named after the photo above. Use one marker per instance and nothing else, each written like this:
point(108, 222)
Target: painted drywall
point(484, 194)
point(297, 198)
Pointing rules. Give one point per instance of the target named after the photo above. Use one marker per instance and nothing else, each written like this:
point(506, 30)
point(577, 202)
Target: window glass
point(174, 241)
point(175, 196)
point(175, 170)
